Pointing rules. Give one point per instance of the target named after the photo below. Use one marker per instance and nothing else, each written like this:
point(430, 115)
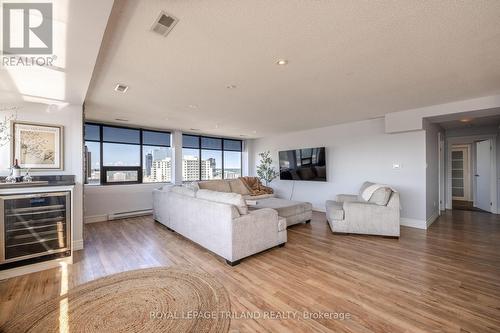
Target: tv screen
point(303, 164)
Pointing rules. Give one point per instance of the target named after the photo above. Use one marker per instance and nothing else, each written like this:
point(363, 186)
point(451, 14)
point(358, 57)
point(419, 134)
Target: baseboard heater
point(133, 213)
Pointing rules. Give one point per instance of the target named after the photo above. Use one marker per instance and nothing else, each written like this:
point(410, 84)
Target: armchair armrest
point(346, 198)
point(257, 231)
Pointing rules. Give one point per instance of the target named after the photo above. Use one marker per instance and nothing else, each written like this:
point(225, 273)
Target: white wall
point(100, 201)
point(432, 170)
point(71, 117)
point(356, 152)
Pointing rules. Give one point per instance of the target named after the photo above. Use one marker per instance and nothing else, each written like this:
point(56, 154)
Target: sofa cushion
point(237, 186)
point(363, 187)
point(182, 190)
point(334, 210)
point(285, 208)
point(224, 197)
point(215, 185)
point(166, 188)
point(258, 197)
point(381, 196)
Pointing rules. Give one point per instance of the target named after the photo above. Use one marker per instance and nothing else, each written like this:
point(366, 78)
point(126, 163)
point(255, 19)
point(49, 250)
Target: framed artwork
point(37, 146)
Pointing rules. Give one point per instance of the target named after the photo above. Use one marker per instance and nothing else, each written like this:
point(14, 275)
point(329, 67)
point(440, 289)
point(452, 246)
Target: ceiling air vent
point(164, 23)
point(121, 88)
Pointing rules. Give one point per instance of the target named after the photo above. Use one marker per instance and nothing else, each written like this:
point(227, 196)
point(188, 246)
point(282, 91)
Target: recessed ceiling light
point(121, 88)
point(121, 119)
point(231, 86)
point(465, 120)
point(282, 62)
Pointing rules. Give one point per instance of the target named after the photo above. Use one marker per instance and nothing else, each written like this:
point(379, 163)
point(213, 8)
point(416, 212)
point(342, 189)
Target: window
point(205, 158)
point(121, 155)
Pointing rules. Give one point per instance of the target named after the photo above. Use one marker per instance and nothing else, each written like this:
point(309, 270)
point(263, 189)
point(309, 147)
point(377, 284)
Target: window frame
point(104, 169)
point(222, 150)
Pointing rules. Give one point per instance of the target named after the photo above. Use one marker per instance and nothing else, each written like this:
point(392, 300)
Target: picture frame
point(37, 146)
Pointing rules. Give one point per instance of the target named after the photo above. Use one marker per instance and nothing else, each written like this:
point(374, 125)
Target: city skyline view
point(158, 164)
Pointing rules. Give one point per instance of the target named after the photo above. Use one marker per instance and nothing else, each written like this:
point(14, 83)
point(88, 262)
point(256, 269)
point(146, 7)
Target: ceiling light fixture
point(282, 62)
point(121, 88)
point(466, 120)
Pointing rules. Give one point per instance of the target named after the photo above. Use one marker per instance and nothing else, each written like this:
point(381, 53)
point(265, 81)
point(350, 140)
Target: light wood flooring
point(445, 279)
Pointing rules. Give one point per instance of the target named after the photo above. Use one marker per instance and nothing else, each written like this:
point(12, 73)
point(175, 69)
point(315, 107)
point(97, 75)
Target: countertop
point(40, 181)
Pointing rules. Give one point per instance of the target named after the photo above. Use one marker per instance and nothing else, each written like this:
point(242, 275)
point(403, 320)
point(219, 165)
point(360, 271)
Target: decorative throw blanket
point(255, 187)
point(368, 192)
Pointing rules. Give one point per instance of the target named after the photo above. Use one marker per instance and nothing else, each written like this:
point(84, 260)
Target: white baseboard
point(420, 224)
point(413, 223)
point(432, 219)
point(78, 244)
point(41, 266)
point(95, 218)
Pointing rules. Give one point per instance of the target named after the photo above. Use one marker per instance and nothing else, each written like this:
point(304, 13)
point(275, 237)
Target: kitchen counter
point(40, 181)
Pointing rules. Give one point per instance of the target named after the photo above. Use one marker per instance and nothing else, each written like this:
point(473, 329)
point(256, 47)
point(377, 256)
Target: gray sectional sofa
point(219, 221)
point(215, 215)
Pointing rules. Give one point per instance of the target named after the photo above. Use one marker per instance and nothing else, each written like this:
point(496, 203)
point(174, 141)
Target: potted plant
point(265, 170)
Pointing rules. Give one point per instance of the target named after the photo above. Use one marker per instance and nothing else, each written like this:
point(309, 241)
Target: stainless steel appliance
point(34, 225)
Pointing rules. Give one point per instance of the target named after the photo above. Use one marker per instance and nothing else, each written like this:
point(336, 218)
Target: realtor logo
point(27, 28)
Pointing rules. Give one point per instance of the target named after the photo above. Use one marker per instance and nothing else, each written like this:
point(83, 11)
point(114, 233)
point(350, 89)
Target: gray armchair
point(377, 216)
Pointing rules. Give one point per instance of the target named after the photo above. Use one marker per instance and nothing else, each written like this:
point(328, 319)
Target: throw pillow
point(234, 199)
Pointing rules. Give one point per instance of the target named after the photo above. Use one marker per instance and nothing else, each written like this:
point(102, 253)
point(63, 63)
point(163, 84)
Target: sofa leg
point(308, 221)
point(233, 263)
point(282, 245)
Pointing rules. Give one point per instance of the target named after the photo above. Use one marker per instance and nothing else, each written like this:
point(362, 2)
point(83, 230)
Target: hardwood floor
point(445, 279)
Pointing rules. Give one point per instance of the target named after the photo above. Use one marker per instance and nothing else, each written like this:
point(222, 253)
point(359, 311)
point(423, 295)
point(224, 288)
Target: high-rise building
point(161, 154)
point(148, 163)
point(161, 170)
point(191, 168)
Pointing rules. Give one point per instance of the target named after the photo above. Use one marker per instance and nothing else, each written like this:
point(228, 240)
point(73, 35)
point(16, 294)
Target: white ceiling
point(75, 44)
point(348, 60)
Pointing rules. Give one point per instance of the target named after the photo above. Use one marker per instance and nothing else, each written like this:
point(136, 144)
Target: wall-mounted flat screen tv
point(303, 164)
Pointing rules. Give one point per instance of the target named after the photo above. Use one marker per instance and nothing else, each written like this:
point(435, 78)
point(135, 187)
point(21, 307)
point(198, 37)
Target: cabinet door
point(35, 225)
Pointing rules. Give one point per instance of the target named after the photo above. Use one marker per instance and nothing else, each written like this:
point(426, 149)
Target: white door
point(483, 175)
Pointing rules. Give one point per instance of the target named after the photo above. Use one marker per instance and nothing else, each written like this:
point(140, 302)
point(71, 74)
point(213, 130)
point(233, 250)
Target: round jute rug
point(176, 299)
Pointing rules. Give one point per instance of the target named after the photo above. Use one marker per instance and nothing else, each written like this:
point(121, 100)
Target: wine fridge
point(34, 225)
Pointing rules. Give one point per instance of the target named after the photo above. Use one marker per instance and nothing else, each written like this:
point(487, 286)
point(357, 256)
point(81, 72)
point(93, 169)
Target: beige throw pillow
point(234, 199)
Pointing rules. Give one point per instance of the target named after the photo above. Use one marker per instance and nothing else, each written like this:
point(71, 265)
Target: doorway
point(471, 171)
point(461, 176)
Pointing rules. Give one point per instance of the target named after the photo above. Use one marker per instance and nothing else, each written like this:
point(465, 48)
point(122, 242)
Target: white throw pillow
point(182, 190)
point(166, 188)
point(224, 197)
